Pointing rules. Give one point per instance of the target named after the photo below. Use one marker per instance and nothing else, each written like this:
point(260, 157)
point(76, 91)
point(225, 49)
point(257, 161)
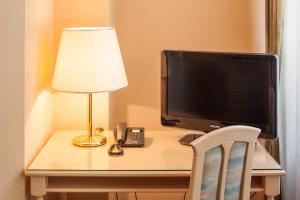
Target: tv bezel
point(268, 131)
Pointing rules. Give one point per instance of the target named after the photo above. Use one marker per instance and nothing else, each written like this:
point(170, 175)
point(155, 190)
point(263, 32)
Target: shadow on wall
point(38, 74)
point(38, 124)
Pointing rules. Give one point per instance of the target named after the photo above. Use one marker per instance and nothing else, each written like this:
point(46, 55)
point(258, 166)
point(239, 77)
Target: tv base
point(187, 139)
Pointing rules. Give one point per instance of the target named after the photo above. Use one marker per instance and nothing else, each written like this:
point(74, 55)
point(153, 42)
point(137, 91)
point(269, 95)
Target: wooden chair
point(222, 164)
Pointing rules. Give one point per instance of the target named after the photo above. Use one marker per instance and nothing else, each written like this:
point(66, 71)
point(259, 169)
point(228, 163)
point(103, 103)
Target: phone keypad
point(135, 137)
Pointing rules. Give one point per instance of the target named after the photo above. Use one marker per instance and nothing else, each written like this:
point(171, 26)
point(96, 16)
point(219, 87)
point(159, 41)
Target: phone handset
point(121, 132)
point(120, 136)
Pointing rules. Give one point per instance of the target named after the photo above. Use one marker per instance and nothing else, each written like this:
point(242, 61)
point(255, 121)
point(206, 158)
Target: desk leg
point(272, 186)
point(38, 186)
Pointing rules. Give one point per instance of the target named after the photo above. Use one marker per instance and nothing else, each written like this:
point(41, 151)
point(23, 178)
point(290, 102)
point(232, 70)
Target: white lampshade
point(89, 60)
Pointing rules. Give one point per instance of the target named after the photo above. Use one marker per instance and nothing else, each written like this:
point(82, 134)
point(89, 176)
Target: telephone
point(129, 136)
point(126, 137)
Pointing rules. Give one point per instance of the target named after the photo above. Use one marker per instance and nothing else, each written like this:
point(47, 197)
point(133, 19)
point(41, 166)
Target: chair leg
point(270, 198)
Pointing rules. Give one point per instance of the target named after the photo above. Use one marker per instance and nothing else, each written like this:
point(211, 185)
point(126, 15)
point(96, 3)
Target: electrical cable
point(253, 195)
point(115, 150)
point(184, 196)
point(135, 196)
point(99, 130)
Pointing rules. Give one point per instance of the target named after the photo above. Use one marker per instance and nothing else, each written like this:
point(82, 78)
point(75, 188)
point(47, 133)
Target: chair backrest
point(222, 164)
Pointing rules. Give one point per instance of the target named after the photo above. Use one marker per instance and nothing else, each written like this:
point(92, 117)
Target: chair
point(222, 164)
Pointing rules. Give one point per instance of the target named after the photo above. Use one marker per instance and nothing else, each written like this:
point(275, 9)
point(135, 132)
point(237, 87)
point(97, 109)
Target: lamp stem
point(90, 139)
point(90, 116)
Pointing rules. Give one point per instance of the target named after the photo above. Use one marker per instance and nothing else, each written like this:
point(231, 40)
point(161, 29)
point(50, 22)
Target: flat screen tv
point(209, 90)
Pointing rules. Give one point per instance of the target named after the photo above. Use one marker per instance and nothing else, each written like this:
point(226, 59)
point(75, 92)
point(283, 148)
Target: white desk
point(163, 165)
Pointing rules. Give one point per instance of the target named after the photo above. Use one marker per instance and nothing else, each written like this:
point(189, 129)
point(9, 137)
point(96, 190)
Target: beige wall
point(12, 185)
point(145, 28)
point(74, 13)
point(70, 110)
point(38, 71)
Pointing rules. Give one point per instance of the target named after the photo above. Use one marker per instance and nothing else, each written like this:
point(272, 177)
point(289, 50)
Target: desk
point(163, 165)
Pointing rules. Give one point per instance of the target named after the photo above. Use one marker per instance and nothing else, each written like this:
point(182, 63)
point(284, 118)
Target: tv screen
point(206, 90)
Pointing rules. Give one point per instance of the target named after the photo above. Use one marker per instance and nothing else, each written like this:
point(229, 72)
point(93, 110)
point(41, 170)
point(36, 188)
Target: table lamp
point(89, 61)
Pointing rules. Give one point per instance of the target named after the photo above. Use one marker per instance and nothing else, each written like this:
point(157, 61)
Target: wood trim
point(268, 172)
point(255, 172)
point(118, 184)
point(131, 173)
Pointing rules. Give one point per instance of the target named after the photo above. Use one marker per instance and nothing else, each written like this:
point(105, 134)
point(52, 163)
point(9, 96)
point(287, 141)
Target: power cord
point(98, 129)
point(135, 196)
point(253, 195)
point(184, 196)
point(116, 149)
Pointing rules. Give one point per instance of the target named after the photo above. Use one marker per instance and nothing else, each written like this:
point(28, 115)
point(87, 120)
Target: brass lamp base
point(87, 141)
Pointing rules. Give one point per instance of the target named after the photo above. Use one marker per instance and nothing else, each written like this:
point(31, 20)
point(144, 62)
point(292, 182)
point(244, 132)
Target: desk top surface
point(162, 153)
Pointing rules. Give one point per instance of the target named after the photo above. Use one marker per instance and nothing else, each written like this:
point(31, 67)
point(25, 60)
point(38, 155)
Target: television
point(208, 90)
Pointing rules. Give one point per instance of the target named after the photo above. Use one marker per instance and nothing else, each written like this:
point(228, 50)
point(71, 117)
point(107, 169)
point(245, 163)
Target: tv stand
point(187, 139)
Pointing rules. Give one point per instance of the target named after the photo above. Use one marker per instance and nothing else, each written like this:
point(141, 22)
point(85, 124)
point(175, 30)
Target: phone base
point(87, 141)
